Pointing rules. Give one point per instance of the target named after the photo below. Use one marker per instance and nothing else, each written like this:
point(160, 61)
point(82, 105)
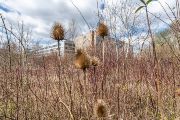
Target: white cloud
point(39, 15)
point(155, 7)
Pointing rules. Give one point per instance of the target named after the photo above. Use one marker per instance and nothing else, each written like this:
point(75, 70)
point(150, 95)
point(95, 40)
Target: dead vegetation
point(126, 86)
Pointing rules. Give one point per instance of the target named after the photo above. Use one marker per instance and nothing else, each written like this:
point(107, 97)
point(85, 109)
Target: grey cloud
point(63, 11)
point(46, 12)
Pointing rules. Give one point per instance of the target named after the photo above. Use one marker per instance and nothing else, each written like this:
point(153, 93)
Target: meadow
point(101, 82)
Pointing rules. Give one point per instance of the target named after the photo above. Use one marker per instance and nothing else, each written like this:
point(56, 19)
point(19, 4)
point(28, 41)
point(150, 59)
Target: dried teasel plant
point(102, 30)
point(95, 61)
point(177, 92)
point(101, 110)
point(57, 33)
point(82, 60)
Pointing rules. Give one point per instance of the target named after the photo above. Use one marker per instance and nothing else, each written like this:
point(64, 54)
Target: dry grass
point(35, 92)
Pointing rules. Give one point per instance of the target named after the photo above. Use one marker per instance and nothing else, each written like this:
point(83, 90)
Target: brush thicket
point(102, 31)
point(57, 33)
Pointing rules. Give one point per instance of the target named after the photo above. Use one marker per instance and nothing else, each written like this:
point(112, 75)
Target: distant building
point(84, 41)
point(112, 45)
point(67, 47)
point(88, 40)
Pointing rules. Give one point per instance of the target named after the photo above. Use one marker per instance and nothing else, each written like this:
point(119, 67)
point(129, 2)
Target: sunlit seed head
point(82, 59)
point(57, 32)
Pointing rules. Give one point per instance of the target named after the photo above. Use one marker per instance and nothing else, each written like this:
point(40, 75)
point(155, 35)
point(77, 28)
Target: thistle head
point(82, 59)
point(57, 32)
point(102, 30)
point(100, 109)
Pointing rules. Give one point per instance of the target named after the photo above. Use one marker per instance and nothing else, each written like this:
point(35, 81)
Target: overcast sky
point(39, 15)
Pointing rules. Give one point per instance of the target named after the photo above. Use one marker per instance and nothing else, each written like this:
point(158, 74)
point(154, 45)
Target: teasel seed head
point(102, 30)
point(82, 59)
point(101, 109)
point(177, 92)
point(57, 32)
point(95, 61)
